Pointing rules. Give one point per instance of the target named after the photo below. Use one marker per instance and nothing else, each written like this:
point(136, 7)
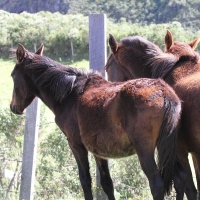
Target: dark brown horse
point(136, 57)
point(111, 120)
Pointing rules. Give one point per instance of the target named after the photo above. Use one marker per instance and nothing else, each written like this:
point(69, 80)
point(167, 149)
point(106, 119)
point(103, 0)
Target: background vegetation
point(135, 11)
point(66, 36)
point(63, 28)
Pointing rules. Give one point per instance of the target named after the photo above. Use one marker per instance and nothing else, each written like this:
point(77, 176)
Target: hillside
point(140, 11)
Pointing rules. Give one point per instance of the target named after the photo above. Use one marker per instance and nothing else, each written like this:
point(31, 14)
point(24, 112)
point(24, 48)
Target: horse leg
point(179, 179)
point(105, 179)
point(150, 169)
point(190, 189)
point(196, 161)
point(81, 156)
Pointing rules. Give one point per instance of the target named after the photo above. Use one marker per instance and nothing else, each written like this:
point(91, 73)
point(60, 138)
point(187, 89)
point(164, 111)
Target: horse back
point(108, 116)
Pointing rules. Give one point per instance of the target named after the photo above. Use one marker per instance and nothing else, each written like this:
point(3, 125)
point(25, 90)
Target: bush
point(11, 140)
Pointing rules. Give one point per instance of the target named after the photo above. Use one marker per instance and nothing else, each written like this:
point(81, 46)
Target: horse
point(136, 57)
point(108, 119)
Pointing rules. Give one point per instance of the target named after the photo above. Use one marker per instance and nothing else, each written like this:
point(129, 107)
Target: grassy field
point(6, 84)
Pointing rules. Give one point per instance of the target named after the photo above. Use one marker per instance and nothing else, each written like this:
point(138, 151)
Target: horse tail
point(166, 144)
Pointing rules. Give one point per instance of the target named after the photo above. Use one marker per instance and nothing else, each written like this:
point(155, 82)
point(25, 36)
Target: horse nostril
point(14, 109)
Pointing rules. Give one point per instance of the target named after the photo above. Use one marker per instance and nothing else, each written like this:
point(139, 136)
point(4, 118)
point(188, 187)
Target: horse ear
point(113, 43)
point(20, 53)
point(40, 50)
point(168, 40)
point(194, 43)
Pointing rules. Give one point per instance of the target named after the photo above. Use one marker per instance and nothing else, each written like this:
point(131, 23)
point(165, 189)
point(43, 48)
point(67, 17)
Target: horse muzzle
point(16, 110)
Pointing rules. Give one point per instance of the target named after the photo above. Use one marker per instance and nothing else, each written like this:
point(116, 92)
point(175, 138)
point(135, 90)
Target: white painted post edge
point(97, 58)
point(97, 41)
point(30, 150)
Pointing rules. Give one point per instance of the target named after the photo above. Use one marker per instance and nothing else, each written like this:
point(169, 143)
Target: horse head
point(23, 90)
point(136, 57)
point(180, 49)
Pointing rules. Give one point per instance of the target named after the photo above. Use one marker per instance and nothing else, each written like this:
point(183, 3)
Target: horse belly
point(109, 145)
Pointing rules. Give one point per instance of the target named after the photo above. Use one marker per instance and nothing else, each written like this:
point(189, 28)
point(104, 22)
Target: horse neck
point(134, 68)
point(182, 70)
point(81, 83)
point(142, 64)
point(43, 92)
point(138, 70)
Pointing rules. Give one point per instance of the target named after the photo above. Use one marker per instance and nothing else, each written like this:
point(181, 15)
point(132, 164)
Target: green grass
point(6, 84)
point(84, 64)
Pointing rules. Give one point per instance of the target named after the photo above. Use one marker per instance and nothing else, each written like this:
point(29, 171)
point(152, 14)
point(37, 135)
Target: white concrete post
point(30, 150)
point(97, 58)
point(97, 41)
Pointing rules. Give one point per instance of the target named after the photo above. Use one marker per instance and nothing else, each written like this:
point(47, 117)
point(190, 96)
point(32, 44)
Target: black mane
point(60, 79)
point(161, 63)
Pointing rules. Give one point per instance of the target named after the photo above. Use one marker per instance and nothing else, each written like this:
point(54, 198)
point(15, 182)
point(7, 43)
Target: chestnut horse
point(111, 120)
point(136, 57)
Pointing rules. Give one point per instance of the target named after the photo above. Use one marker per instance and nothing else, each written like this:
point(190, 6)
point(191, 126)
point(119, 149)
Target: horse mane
point(165, 62)
point(60, 79)
point(161, 63)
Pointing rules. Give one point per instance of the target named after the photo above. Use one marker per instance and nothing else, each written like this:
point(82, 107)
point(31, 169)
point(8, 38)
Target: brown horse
point(111, 120)
point(136, 57)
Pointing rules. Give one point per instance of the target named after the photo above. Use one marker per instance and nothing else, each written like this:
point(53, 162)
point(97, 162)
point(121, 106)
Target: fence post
point(30, 150)
point(97, 41)
point(97, 58)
